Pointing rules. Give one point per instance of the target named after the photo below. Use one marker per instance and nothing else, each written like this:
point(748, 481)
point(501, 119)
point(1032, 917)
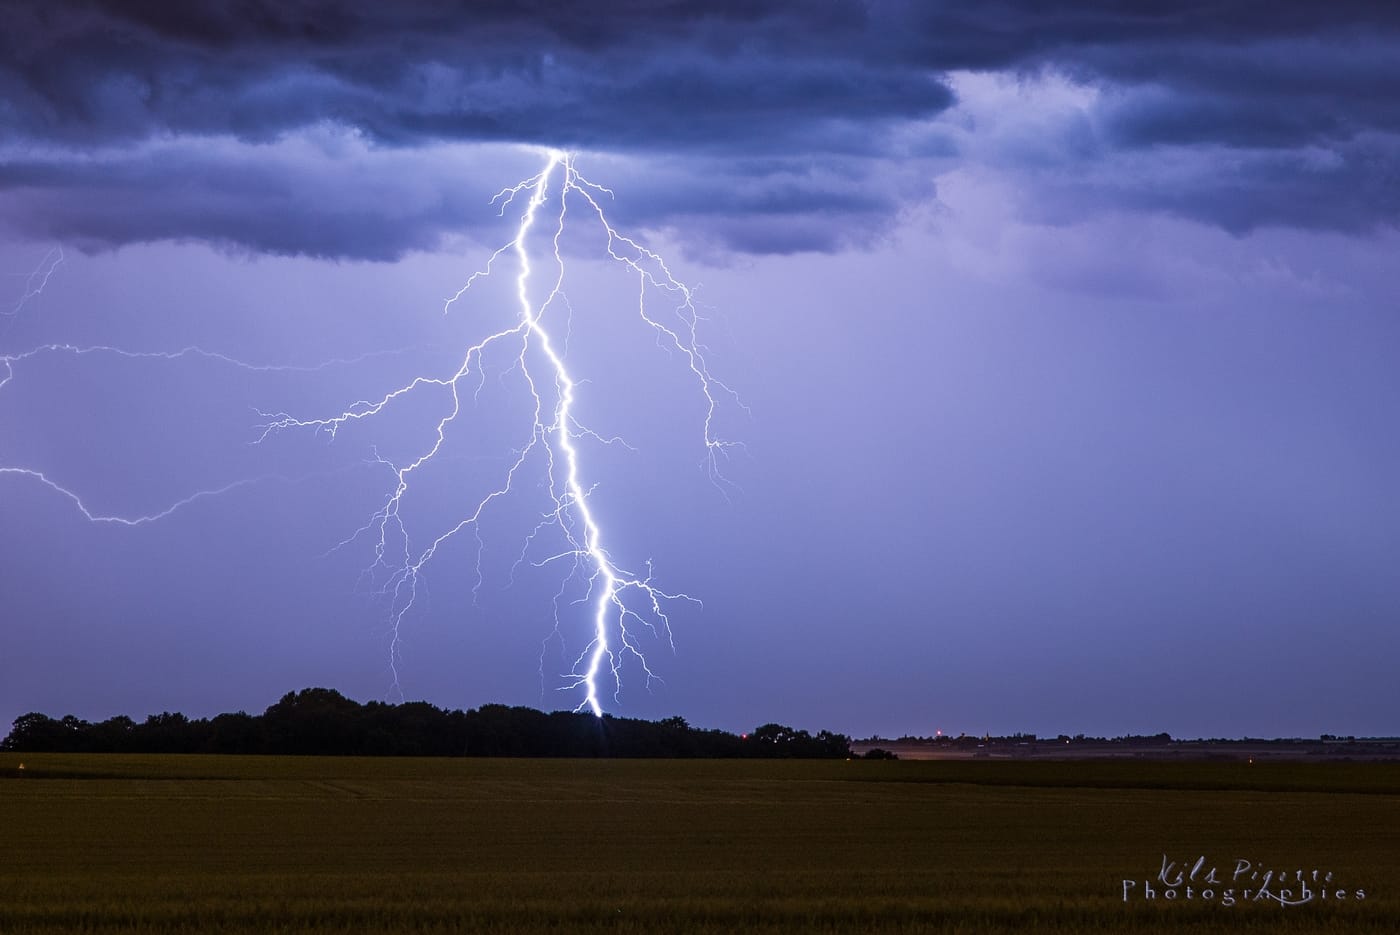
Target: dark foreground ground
point(108, 844)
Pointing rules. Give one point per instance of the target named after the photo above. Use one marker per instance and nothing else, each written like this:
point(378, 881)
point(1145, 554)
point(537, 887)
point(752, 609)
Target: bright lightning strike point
point(619, 601)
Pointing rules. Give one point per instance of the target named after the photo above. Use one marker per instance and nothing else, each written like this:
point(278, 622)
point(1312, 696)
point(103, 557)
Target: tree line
point(321, 721)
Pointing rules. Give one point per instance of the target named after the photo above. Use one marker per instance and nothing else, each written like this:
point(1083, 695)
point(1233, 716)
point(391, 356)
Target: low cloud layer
point(330, 128)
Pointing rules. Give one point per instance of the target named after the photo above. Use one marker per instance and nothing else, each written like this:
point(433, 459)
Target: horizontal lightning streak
point(7, 375)
point(133, 520)
point(7, 361)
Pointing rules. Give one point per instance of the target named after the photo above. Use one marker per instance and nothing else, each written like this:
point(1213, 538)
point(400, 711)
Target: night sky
point(1065, 337)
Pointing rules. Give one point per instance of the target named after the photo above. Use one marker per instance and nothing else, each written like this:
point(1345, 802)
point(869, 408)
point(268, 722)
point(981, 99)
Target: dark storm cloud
point(640, 75)
point(1350, 190)
point(291, 198)
point(1285, 93)
point(742, 95)
point(327, 194)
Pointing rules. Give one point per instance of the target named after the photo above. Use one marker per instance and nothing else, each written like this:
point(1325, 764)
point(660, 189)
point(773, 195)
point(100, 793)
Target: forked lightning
point(619, 601)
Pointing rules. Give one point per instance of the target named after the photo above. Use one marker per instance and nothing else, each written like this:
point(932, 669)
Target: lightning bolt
point(88, 514)
point(7, 361)
point(35, 285)
point(621, 602)
point(37, 280)
point(7, 375)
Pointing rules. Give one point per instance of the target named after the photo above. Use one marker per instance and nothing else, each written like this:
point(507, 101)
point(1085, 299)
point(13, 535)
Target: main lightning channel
point(620, 601)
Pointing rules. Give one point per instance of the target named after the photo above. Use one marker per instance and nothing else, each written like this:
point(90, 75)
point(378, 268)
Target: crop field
point(164, 844)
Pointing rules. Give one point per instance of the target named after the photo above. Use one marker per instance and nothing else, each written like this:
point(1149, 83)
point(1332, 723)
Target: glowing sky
point(1069, 336)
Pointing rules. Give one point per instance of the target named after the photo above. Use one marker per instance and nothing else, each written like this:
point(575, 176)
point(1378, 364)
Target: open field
point(1198, 751)
point(108, 844)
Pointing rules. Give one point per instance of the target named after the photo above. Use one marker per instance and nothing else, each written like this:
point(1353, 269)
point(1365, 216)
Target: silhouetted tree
point(115, 734)
point(39, 733)
point(322, 721)
point(238, 732)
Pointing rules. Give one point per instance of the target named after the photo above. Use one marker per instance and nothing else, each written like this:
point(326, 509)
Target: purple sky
point(1069, 342)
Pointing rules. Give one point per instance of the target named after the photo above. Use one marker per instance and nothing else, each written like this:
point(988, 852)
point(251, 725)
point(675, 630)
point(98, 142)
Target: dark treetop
point(321, 721)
